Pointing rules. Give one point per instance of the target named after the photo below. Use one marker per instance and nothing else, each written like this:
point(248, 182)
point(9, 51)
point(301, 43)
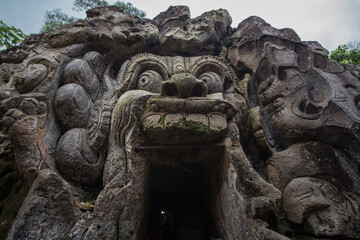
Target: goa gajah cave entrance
point(180, 206)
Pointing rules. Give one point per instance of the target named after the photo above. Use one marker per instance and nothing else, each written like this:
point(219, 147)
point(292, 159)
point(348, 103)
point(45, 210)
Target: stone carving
point(73, 106)
point(308, 109)
point(181, 35)
point(245, 133)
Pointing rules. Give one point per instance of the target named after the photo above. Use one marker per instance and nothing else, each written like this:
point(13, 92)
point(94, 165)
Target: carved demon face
point(189, 97)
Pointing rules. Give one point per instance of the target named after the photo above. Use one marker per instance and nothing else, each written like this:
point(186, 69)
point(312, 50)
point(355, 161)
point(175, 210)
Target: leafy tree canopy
point(130, 9)
point(10, 35)
point(343, 55)
point(55, 20)
point(81, 5)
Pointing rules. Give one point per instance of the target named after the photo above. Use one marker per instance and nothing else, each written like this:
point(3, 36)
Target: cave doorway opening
point(180, 205)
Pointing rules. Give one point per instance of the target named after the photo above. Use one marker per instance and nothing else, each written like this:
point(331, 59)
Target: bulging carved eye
point(213, 81)
point(150, 81)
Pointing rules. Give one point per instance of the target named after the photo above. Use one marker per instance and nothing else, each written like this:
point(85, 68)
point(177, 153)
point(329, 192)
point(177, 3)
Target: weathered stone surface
point(202, 35)
point(96, 62)
point(121, 33)
point(327, 211)
point(249, 39)
point(79, 32)
point(25, 136)
point(75, 160)
point(79, 71)
point(146, 123)
point(73, 106)
point(31, 77)
point(34, 74)
point(173, 14)
point(52, 195)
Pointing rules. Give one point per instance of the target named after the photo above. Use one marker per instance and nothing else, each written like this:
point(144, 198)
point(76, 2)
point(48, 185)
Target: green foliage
point(10, 35)
point(130, 9)
point(343, 55)
point(81, 5)
point(55, 20)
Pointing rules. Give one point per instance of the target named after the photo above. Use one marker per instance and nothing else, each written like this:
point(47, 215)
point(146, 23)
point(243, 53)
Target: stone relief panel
point(118, 124)
point(306, 109)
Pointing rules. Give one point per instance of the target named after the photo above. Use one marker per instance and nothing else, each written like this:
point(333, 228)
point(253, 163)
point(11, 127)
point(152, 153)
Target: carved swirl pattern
point(213, 81)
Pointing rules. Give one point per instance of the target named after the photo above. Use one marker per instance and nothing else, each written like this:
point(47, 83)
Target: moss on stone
point(162, 120)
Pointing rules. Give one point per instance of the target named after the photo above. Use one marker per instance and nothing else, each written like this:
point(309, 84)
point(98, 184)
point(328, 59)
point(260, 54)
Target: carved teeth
point(215, 108)
point(214, 121)
point(190, 106)
point(217, 122)
point(173, 118)
point(222, 107)
point(153, 119)
point(180, 128)
point(197, 118)
point(154, 107)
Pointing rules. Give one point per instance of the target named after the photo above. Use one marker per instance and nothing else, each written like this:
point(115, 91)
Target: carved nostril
point(183, 85)
point(169, 89)
point(199, 90)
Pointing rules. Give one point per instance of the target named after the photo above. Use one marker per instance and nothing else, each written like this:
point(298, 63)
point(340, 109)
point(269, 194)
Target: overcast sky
point(330, 22)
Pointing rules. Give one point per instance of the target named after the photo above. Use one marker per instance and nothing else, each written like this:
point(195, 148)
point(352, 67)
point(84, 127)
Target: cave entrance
point(180, 205)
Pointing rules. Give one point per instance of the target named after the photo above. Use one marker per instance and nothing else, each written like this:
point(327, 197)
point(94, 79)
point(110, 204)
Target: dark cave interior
point(180, 205)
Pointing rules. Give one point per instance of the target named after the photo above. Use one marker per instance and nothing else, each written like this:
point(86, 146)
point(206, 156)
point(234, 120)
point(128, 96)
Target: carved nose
point(183, 85)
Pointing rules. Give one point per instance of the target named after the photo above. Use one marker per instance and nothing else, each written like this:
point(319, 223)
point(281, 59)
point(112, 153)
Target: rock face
point(178, 128)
